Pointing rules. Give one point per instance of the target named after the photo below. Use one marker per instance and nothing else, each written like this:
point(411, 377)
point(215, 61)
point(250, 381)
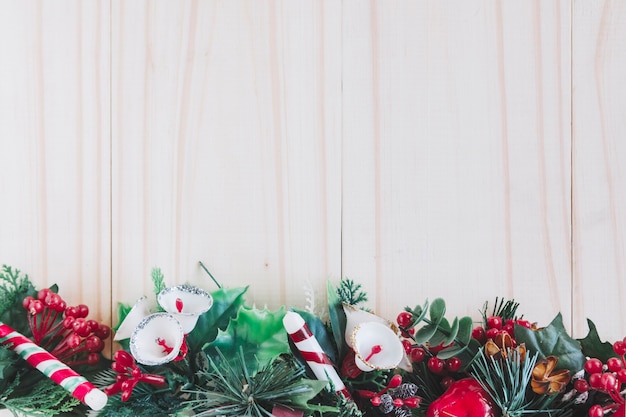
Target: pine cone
point(386, 404)
point(405, 390)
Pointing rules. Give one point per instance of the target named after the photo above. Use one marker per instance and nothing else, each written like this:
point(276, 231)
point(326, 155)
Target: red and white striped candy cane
point(53, 368)
point(312, 352)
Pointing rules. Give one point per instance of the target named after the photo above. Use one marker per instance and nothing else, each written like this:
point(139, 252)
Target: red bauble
point(464, 398)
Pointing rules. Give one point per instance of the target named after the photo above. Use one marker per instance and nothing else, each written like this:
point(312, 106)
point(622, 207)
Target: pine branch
point(350, 292)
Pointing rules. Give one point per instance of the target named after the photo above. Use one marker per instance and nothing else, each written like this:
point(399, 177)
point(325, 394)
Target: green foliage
point(507, 381)
point(435, 329)
point(337, 320)
point(226, 305)
point(505, 309)
point(553, 340)
point(14, 287)
point(46, 399)
point(158, 280)
point(258, 334)
point(230, 388)
point(350, 293)
point(593, 347)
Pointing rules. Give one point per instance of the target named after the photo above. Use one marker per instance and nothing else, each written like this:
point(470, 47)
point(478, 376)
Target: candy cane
point(53, 368)
point(312, 352)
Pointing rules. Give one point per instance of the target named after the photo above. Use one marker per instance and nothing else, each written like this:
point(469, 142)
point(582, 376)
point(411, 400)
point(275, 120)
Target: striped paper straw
point(53, 368)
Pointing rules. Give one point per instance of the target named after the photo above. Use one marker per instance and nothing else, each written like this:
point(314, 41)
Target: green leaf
point(454, 330)
point(553, 340)
point(437, 310)
point(337, 319)
point(226, 304)
point(259, 334)
point(425, 333)
point(158, 280)
point(465, 330)
point(451, 351)
point(593, 347)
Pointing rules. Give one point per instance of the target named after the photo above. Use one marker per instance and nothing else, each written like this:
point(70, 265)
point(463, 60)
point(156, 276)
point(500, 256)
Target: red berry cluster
point(129, 375)
point(64, 331)
point(495, 326)
point(421, 353)
point(608, 378)
point(397, 398)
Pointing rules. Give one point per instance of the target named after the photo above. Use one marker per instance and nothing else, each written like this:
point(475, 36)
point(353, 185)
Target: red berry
point(418, 354)
point(405, 319)
point(81, 327)
point(492, 333)
point(26, 302)
point(621, 375)
point(68, 322)
point(581, 385)
point(596, 411)
point(93, 359)
point(35, 307)
point(43, 294)
point(453, 364)
point(407, 345)
point(103, 331)
point(509, 328)
point(609, 381)
point(435, 365)
point(375, 401)
point(614, 364)
point(395, 381)
point(446, 381)
point(412, 402)
point(94, 344)
point(398, 402)
point(479, 334)
point(523, 323)
point(494, 322)
point(593, 366)
point(619, 347)
point(83, 310)
point(595, 380)
point(73, 340)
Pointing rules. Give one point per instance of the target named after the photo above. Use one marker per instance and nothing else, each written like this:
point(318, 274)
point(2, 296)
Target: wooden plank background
point(458, 149)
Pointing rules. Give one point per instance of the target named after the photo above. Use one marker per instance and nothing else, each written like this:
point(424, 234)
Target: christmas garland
point(189, 352)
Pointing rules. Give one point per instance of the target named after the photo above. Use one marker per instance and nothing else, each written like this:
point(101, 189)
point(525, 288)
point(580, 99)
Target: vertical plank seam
point(111, 164)
point(571, 161)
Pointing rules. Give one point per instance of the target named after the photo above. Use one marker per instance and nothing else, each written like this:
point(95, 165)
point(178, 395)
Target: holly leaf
point(226, 304)
point(553, 340)
point(593, 347)
point(258, 333)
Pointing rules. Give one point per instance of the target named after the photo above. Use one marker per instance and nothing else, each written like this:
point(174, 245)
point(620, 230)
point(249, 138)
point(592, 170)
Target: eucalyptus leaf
point(465, 330)
point(425, 333)
point(437, 310)
point(454, 330)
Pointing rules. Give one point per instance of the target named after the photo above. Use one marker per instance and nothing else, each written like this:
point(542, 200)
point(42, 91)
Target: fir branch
point(12, 284)
point(350, 293)
point(158, 280)
point(501, 308)
point(229, 389)
point(506, 380)
point(46, 399)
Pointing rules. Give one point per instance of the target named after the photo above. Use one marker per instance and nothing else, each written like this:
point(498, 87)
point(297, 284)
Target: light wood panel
point(599, 198)
point(456, 155)
point(54, 147)
point(226, 146)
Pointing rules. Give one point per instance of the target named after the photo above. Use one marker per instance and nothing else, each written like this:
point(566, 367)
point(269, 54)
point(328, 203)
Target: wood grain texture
point(226, 146)
point(456, 154)
point(599, 201)
point(54, 147)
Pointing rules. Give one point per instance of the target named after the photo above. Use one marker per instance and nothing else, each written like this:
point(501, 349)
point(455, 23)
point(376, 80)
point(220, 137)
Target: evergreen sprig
point(46, 399)
point(12, 284)
point(507, 380)
point(229, 389)
point(350, 292)
point(507, 309)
